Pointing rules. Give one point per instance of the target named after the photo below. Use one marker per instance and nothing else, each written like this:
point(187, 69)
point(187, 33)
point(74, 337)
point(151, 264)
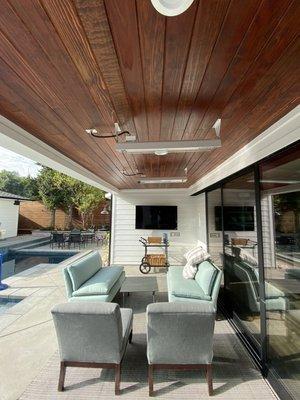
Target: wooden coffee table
point(135, 284)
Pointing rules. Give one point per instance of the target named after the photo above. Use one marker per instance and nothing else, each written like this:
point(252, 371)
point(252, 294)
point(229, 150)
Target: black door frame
point(261, 357)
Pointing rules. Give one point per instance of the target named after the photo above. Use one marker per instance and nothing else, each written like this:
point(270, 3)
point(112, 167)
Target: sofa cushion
point(293, 273)
point(273, 292)
point(187, 288)
point(100, 283)
point(83, 269)
point(205, 276)
point(191, 293)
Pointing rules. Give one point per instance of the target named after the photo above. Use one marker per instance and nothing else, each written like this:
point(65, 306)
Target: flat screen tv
point(156, 217)
point(236, 218)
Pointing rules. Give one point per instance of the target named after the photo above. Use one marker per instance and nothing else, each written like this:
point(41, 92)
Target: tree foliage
point(12, 182)
point(56, 190)
point(87, 201)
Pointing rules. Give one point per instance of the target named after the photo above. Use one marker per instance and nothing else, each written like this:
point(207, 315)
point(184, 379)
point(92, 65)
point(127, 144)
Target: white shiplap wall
point(9, 217)
point(126, 249)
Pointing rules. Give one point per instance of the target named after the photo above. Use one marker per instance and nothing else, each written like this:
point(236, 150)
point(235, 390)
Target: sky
point(14, 162)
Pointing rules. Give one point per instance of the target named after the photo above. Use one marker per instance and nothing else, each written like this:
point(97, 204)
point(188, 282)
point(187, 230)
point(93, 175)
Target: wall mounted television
point(236, 218)
point(156, 217)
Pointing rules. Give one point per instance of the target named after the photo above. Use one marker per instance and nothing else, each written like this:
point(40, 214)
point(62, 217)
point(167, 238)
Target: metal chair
point(76, 239)
point(57, 238)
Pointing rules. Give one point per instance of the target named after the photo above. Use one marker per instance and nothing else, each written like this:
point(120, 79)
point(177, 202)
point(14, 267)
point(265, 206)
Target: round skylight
point(171, 8)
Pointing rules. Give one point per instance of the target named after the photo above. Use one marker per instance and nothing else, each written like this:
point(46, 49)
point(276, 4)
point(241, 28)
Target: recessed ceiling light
point(180, 146)
point(176, 179)
point(171, 8)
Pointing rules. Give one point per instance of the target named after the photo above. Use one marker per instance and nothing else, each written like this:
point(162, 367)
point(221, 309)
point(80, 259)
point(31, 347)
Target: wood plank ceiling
point(70, 65)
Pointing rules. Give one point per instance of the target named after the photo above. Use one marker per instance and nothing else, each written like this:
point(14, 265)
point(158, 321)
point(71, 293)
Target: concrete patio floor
point(29, 360)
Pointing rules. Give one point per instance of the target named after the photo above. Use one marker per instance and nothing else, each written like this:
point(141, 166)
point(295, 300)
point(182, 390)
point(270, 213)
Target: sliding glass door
point(241, 271)
point(280, 204)
point(253, 227)
point(214, 225)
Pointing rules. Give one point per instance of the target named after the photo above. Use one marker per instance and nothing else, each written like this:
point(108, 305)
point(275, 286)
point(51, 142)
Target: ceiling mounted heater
point(163, 148)
point(156, 180)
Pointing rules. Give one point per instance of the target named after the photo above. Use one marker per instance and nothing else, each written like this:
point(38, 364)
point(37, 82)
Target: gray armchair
point(92, 335)
point(180, 336)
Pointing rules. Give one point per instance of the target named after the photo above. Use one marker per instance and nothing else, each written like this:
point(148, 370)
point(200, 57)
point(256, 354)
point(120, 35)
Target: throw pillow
point(247, 257)
point(194, 257)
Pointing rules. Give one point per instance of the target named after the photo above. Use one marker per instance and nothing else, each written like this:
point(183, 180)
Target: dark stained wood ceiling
point(66, 66)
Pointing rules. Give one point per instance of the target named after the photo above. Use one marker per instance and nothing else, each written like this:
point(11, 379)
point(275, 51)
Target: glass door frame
point(261, 358)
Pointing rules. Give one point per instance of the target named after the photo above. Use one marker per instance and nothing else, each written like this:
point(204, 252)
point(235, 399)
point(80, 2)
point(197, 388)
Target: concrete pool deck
point(28, 356)
point(22, 241)
point(27, 337)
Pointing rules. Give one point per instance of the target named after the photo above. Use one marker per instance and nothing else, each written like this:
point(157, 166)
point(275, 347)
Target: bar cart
point(154, 260)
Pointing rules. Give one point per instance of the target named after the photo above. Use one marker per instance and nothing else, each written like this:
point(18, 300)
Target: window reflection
point(215, 236)
point(233, 242)
point(280, 197)
point(241, 271)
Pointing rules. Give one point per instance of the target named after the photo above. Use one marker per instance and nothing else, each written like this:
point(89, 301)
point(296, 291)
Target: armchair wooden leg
point(117, 379)
point(150, 379)
point(62, 375)
point(130, 337)
point(209, 379)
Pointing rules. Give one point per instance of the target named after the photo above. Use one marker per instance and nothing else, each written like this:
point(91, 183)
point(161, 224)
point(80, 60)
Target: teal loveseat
point(203, 289)
point(87, 280)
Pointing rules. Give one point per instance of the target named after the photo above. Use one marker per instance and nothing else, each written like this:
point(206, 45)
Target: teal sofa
point(203, 289)
point(87, 280)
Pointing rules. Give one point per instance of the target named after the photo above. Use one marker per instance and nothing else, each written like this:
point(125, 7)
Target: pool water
point(15, 263)
point(5, 304)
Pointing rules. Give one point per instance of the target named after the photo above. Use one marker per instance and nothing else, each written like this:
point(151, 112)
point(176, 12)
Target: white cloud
point(11, 161)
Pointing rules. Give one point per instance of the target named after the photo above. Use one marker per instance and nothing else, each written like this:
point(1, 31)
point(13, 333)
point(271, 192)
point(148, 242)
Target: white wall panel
point(9, 217)
point(126, 248)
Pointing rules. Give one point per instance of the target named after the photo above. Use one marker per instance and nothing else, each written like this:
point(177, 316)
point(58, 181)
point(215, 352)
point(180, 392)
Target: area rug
point(234, 375)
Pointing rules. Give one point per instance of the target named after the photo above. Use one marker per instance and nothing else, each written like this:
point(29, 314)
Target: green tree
point(71, 191)
point(12, 182)
point(87, 199)
point(51, 191)
point(58, 190)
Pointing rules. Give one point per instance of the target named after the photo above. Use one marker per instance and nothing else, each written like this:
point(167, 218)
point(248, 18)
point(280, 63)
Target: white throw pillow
point(194, 257)
point(247, 257)
point(189, 271)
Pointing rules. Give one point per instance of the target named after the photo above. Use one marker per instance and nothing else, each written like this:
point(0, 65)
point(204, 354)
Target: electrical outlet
point(214, 235)
point(172, 234)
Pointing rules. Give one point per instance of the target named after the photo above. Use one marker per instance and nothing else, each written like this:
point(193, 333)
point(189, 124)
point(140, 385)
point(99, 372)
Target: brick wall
point(34, 215)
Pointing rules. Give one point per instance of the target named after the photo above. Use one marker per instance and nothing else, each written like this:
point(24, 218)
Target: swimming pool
point(5, 304)
point(15, 262)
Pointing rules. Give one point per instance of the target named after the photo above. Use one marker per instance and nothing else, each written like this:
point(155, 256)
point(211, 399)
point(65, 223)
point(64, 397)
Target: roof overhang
point(16, 139)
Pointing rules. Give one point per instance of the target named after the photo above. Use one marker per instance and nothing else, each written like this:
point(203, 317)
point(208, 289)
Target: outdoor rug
point(234, 375)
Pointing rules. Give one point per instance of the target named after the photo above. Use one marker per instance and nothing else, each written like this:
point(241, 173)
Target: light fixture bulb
point(161, 152)
point(91, 131)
